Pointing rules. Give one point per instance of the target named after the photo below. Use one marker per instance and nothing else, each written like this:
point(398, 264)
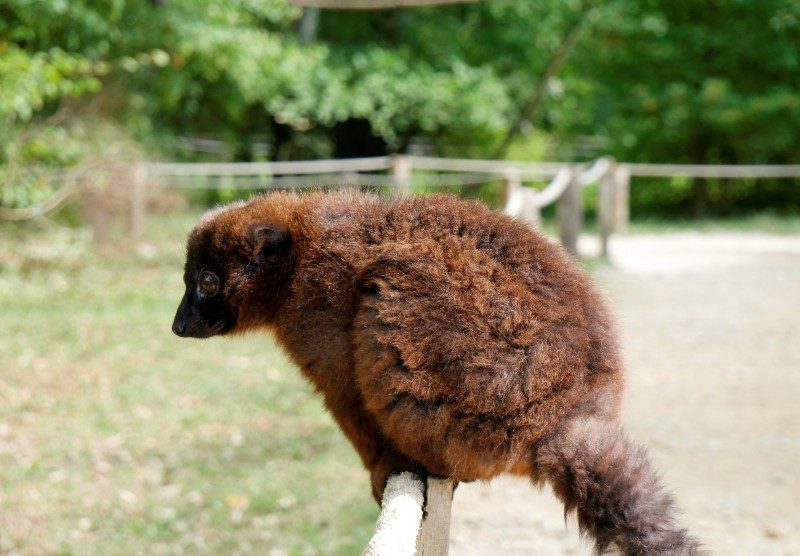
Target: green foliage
point(32, 155)
point(663, 81)
point(29, 80)
point(236, 72)
point(37, 156)
point(687, 83)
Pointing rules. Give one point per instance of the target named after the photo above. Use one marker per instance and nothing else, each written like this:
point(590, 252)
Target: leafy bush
point(658, 81)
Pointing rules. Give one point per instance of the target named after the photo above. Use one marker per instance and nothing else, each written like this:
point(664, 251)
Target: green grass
point(116, 437)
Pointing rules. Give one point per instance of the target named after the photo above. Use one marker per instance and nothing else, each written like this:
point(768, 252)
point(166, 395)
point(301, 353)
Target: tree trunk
point(555, 64)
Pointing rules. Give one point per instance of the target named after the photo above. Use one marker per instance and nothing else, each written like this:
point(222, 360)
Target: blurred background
point(668, 129)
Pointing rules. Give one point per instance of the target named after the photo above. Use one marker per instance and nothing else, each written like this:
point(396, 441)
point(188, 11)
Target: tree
point(648, 80)
point(678, 81)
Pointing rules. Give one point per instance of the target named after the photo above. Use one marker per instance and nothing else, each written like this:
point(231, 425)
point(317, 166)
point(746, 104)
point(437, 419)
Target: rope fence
point(405, 174)
point(564, 182)
point(244, 182)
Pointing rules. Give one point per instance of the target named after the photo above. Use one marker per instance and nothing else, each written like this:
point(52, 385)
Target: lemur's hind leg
point(609, 482)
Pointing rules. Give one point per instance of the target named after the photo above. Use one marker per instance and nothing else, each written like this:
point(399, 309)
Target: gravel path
point(711, 336)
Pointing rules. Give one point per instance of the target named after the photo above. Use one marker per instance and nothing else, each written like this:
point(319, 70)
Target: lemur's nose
point(179, 327)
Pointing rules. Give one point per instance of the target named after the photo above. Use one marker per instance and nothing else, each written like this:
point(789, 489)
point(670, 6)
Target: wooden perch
point(401, 529)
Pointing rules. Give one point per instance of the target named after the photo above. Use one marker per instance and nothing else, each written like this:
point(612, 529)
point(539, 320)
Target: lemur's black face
point(204, 310)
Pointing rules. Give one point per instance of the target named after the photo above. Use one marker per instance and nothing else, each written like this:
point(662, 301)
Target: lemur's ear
point(269, 242)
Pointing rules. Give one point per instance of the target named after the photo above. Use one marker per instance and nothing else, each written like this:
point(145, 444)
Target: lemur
point(446, 339)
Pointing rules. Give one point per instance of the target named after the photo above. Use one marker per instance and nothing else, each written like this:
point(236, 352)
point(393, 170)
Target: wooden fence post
point(434, 535)
point(622, 201)
point(138, 201)
point(606, 206)
point(96, 215)
point(570, 213)
point(511, 184)
point(401, 173)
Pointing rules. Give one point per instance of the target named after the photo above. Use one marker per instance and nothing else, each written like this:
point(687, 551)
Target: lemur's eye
point(209, 283)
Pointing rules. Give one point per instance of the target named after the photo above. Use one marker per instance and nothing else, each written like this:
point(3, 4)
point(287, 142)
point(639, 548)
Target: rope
point(54, 202)
point(596, 172)
point(555, 189)
point(400, 518)
point(40, 209)
point(348, 179)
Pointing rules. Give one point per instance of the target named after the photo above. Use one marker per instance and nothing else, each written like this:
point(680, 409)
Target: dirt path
point(711, 337)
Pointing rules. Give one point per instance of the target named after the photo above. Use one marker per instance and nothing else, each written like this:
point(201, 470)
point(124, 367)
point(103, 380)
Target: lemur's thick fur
point(446, 339)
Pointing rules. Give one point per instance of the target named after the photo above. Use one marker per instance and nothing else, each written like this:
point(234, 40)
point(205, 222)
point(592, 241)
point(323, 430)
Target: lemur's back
point(474, 336)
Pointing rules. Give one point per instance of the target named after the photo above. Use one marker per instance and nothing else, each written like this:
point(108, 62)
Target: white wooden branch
point(400, 530)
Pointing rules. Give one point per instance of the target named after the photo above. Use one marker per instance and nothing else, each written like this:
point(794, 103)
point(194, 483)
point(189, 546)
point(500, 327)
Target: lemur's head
point(238, 262)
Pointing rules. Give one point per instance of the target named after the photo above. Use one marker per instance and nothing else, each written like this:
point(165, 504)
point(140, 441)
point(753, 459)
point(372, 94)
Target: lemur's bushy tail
point(609, 482)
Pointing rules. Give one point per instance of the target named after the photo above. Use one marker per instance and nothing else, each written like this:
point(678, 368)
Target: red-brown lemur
point(446, 339)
